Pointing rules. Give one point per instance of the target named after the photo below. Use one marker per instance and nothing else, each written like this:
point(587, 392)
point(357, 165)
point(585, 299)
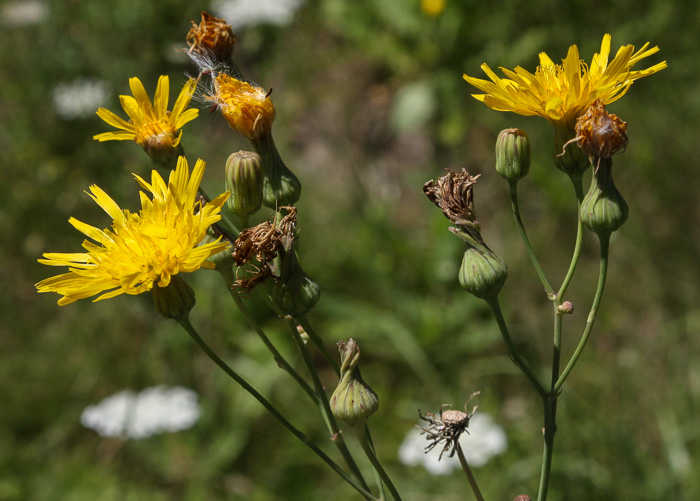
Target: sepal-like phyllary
point(280, 186)
point(244, 179)
point(353, 400)
point(174, 300)
point(603, 209)
point(294, 293)
point(483, 272)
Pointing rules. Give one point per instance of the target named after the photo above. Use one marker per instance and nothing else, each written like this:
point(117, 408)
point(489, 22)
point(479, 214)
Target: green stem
point(369, 451)
point(496, 308)
point(279, 359)
point(187, 325)
point(377, 477)
point(526, 241)
point(549, 429)
point(604, 247)
point(468, 472)
point(325, 405)
point(306, 325)
point(577, 180)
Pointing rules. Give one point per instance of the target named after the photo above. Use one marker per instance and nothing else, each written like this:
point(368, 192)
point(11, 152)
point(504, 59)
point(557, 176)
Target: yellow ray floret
point(150, 124)
point(141, 249)
point(561, 92)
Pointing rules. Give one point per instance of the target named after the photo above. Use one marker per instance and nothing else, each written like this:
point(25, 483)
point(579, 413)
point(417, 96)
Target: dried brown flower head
point(523, 497)
point(262, 243)
point(212, 36)
point(599, 133)
point(447, 427)
point(453, 193)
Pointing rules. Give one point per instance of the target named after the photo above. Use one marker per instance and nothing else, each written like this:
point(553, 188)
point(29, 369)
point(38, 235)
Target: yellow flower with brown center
point(143, 249)
point(246, 107)
point(152, 126)
point(562, 92)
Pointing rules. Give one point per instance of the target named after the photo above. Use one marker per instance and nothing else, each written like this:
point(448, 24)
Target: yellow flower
point(155, 128)
point(246, 107)
point(432, 8)
point(562, 92)
point(144, 248)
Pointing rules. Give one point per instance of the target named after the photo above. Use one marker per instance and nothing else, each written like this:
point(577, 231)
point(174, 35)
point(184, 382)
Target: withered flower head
point(599, 133)
point(212, 36)
point(453, 193)
point(262, 243)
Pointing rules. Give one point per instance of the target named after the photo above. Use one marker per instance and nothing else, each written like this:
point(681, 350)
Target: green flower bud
point(512, 154)
point(244, 179)
point(603, 209)
point(294, 293)
point(482, 273)
point(353, 400)
point(280, 186)
point(175, 300)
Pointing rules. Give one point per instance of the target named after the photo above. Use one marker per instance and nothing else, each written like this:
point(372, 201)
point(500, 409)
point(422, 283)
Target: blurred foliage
point(370, 105)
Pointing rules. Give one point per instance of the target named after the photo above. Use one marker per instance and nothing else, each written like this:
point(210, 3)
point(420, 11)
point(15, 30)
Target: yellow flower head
point(246, 107)
point(562, 92)
point(152, 126)
point(432, 8)
point(144, 248)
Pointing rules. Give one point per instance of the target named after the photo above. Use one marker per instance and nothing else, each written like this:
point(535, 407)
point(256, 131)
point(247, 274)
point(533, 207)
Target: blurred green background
point(370, 104)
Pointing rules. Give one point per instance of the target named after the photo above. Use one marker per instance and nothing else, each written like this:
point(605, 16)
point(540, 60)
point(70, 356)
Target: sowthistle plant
point(181, 229)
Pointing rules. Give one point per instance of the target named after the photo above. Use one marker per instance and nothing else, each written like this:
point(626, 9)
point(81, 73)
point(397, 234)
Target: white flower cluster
point(79, 98)
point(23, 13)
point(154, 410)
point(239, 13)
point(484, 440)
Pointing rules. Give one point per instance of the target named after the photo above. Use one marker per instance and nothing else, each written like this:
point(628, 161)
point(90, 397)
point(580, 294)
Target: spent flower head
point(561, 92)
point(143, 249)
point(599, 133)
point(156, 129)
point(246, 107)
point(212, 36)
point(453, 193)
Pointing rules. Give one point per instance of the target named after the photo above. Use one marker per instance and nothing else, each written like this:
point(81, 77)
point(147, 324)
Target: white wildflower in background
point(23, 13)
point(79, 98)
point(239, 13)
point(154, 410)
point(484, 440)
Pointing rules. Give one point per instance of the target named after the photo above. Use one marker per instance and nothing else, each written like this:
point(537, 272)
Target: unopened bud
point(244, 179)
point(512, 154)
point(353, 400)
point(603, 209)
point(175, 300)
point(294, 293)
point(566, 308)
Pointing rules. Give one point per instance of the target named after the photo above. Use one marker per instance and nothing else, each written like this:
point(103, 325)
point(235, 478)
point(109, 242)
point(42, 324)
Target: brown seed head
point(212, 36)
point(453, 193)
point(523, 497)
point(599, 133)
point(454, 417)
